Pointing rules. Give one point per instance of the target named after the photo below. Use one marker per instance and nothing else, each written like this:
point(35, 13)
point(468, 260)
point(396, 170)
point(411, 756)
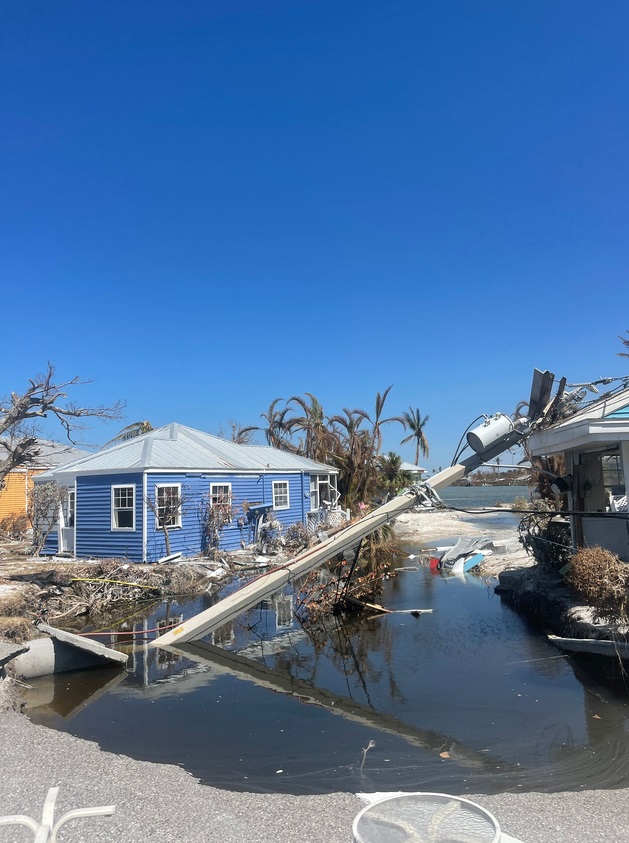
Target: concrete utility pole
point(495, 435)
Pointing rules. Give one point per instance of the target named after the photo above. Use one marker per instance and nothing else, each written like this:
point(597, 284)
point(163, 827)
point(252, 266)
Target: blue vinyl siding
point(187, 538)
point(195, 490)
point(51, 545)
point(94, 536)
point(298, 504)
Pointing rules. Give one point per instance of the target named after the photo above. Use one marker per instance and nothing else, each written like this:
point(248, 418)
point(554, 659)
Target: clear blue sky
point(207, 205)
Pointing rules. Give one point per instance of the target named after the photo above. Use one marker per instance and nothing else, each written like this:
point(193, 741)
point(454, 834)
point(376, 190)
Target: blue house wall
point(96, 538)
point(186, 539)
point(51, 545)
point(94, 535)
point(254, 489)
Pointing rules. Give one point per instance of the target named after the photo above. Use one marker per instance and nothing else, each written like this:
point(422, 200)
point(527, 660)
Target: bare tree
point(44, 503)
point(239, 434)
point(217, 511)
point(166, 505)
point(44, 398)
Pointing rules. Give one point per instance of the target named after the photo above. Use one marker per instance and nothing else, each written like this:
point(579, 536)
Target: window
point(168, 506)
point(314, 492)
point(123, 507)
point(612, 474)
point(323, 491)
point(220, 494)
point(280, 494)
point(71, 509)
point(220, 511)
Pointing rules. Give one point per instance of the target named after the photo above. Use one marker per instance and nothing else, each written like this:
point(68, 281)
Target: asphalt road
point(162, 804)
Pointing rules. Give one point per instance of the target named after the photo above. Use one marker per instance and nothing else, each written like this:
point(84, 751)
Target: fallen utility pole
point(268, 583)
point(497, 434)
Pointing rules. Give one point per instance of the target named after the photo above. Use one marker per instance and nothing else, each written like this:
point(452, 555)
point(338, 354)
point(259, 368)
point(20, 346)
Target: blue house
point(207, 491)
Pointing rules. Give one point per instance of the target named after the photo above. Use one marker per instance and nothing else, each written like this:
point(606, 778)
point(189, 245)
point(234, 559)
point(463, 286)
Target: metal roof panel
point(175, 446)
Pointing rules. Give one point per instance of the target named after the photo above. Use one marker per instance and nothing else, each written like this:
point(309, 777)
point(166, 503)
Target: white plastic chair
point(47, 830)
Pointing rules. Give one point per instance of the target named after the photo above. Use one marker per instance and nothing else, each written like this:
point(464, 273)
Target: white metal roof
point(176, 447)
point(409, 466)
point(53, 454)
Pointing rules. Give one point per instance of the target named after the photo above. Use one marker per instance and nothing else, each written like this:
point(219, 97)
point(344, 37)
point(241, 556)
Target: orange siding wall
point(14, 496)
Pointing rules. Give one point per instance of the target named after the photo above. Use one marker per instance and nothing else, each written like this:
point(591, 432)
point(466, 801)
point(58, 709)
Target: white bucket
point(429, 817)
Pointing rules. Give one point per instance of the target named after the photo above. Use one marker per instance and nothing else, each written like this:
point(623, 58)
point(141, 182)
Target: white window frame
point(314, 492)
point(120, 509)
point(176, 486)
point(276, 494)
point(70, 520)
point(227, 486)
point(316, 482)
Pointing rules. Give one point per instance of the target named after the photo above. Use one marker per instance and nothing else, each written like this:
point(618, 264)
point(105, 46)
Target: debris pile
point(340, 588)
point(602, 580)
point(75, 591)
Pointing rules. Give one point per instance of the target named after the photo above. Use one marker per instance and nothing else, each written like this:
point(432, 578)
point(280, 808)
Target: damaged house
point(594, 442)
point(16, 487)
point(208, 492)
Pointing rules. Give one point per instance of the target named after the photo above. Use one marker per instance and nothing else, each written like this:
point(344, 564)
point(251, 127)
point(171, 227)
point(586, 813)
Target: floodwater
point(467, 699)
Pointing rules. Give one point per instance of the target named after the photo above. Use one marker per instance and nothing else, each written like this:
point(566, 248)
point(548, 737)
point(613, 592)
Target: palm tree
point(313, 423)
point(353, 455)
point(138, 428)
point(625, 342)
point(378, 421)
point(391, 476)
point(276, 430)
point(414, 422)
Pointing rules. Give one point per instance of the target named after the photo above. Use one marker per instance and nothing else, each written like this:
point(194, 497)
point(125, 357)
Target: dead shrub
point(13, 604)
point(601, 579)
point(94, 590)
point(14, 526)
point(16, 629)
point(297, 536)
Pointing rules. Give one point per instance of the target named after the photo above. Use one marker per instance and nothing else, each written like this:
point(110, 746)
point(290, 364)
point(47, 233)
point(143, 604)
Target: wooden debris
point(375, 607)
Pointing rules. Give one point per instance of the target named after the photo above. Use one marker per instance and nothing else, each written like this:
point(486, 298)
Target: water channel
point(467, 699)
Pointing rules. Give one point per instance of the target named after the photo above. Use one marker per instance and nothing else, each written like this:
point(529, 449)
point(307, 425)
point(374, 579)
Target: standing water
point(467, 699)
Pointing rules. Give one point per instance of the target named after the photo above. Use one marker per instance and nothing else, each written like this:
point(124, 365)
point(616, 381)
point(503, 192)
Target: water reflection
point(466, 699)
point(67, 694)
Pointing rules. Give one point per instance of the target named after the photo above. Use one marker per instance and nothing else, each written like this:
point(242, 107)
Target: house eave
point(65, 476)
point(586, 435)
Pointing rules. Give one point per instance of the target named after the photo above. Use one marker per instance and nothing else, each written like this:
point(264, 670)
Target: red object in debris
point(434, 563)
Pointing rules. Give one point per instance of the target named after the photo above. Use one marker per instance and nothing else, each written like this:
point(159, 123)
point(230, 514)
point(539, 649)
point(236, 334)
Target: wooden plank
point(376, 607)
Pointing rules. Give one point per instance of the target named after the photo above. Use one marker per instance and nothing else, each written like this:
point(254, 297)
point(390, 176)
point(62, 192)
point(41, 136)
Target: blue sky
point(208, 205)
